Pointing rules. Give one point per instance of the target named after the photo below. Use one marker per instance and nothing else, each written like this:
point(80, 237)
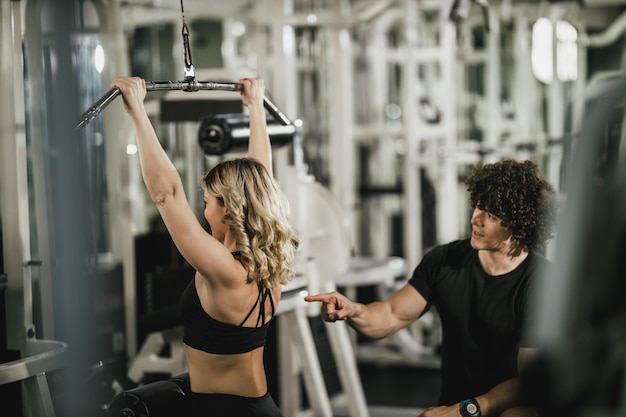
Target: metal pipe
point(609, 36)
point(192, 85)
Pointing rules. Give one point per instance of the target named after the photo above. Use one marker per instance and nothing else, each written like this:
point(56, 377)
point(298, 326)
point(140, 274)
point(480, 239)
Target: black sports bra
point(203, 332)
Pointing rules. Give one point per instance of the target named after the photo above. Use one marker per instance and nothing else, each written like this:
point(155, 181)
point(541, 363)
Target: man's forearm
point(373, 320)
point(503, 396)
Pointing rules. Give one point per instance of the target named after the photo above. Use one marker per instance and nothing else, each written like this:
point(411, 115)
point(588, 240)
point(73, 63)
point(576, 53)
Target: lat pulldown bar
point(190, 86)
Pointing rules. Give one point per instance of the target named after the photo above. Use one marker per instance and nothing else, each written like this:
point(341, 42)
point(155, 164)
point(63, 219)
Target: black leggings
point(227, 405)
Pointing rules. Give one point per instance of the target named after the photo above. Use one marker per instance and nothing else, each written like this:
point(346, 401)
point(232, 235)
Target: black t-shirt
point(481, 315)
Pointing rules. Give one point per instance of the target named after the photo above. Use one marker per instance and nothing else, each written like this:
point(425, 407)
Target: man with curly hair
point(482, 287)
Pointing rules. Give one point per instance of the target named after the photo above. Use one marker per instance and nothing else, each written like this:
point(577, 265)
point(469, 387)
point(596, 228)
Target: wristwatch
point(470, 408)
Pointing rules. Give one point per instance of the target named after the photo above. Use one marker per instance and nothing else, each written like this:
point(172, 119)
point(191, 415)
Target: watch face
point(470, 408)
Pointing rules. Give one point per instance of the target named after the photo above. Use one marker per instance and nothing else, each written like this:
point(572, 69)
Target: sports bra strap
point(252, 309)
point(264, 293)
point(262, 297)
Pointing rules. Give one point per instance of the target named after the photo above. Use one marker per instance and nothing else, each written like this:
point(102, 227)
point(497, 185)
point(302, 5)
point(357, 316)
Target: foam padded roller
point(157, 399)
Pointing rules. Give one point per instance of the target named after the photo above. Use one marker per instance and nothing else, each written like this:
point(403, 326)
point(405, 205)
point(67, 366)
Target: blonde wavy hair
point(257, 213)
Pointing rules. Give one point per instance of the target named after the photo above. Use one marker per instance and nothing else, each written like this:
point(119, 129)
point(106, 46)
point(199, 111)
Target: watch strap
point(470, 408)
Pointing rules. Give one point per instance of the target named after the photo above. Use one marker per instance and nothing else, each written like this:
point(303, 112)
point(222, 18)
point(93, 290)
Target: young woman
point(240, 266)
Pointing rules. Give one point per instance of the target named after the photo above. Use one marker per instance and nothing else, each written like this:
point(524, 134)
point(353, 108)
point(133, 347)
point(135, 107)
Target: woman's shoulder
point(229, 276)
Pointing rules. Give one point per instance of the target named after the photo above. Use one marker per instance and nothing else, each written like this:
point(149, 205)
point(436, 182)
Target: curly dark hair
point(517, 193)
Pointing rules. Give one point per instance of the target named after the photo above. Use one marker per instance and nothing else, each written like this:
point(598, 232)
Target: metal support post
point(338, 75)
point(14, 207)
point(448, 192)
point(411, 187)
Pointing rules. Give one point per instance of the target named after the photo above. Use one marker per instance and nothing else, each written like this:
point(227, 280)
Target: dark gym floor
point(395, 390)
point(400, 385)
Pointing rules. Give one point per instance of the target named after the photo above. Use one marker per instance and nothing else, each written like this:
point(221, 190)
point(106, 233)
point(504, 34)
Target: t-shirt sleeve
point(423, 278)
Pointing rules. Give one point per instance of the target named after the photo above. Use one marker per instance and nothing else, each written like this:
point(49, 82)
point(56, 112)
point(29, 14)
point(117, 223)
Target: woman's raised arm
point(259, 146)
